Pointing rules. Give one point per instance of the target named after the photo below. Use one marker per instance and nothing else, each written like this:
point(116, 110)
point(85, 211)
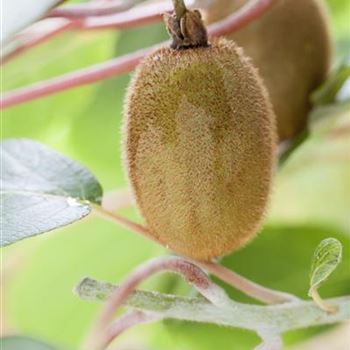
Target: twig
point(118, 199)
point(136, 16)
point(190, 272)
point(150, 13)
point(35, 35)
point(271, 340)
point(252, 10)
point(78, 78)
point(124, 63)
point(235, 280)
point(98, 8)
point(273, 318)
point(128, 320)
point(124, 222)
point(246, 286)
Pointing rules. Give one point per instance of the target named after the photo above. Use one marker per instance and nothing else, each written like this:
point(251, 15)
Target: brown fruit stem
point(117, 199)
point(180, 8)
point(124, 222)
point(186, 27)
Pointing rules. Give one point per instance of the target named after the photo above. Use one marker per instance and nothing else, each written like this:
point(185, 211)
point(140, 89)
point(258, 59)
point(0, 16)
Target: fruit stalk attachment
point(180, 8)
point(186, 27)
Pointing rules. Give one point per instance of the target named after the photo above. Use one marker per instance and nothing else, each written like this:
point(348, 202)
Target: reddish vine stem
point(117, 199)
point(128, 320)
point(252, 10)
point(72, 20)
point(78, 78)
point(237, 20)
point(124, 222)
point(190, 272)
point(136, 16)
point(233, 279)
point(246, 286)
point(33, 37)
point(98, 8)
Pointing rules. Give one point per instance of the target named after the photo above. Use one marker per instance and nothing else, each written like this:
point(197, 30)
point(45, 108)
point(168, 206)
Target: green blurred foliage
point(311, 201)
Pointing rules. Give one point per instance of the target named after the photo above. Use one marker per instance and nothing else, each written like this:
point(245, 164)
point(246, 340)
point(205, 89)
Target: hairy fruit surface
point(199, 148)
point(291, 47)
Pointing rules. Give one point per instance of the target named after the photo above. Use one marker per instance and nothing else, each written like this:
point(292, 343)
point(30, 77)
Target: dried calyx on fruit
point(186, 28)
point(199, 142)
point(291, 47)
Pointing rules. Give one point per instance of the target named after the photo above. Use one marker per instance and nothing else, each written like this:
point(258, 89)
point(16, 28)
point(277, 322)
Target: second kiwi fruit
point(291, 47)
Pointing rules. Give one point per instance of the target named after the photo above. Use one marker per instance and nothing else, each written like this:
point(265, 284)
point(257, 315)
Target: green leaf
point(24, 343)
point(41, 190)
point(327, 257)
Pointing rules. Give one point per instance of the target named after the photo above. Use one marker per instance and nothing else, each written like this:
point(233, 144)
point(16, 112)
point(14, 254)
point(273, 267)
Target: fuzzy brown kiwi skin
point(291, 47)
point(199, 144)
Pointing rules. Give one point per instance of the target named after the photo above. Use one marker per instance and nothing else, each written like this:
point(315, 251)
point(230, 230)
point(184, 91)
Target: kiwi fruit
point(291, 47)
point(199, 143)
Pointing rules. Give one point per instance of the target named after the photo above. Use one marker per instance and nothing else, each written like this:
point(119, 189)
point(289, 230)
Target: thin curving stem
point(135, 17)
point(124, 222)
point(250, 288)
point(81, 77)
point(36, 34)
point(31, 37)
point(97, 8)
point(190, 272)
point(246, 286)
point(130, 319)
point(117, 199)
point(252, 10)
